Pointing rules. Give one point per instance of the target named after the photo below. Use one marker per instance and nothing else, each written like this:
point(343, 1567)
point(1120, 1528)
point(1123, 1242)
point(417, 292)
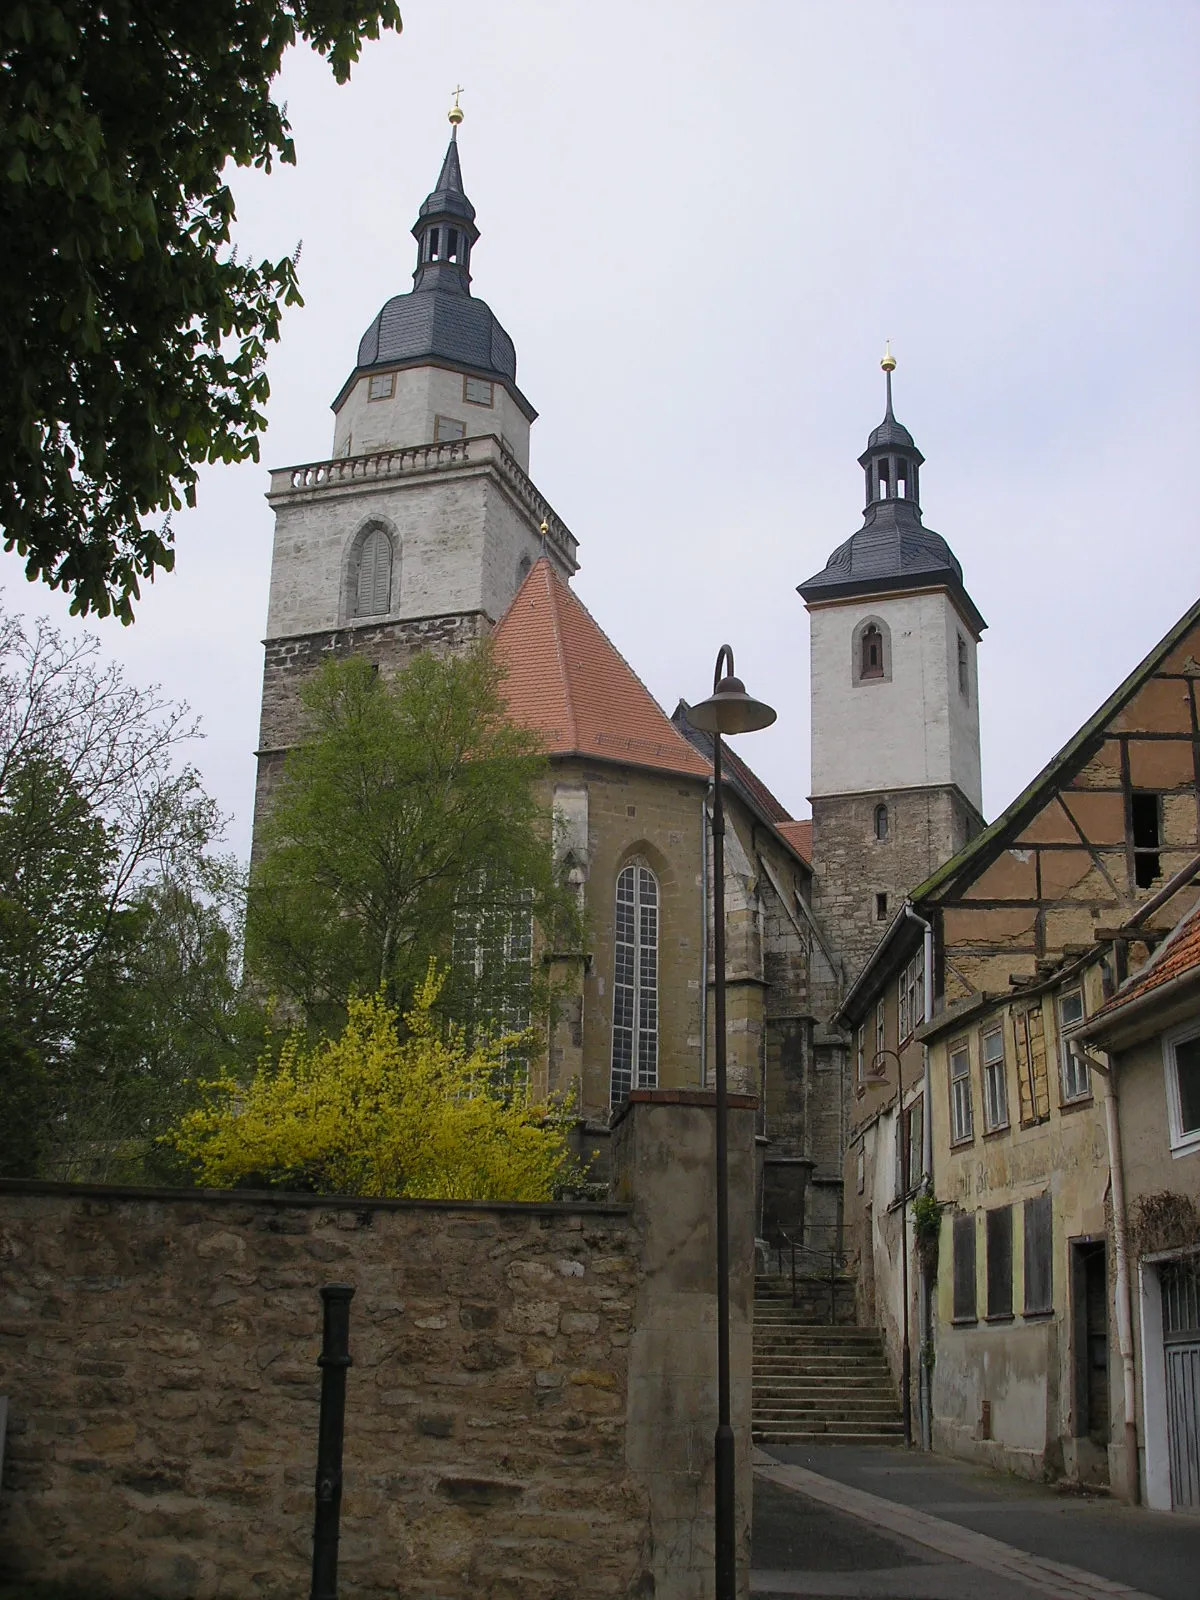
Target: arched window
point(635, 983)
point(872, 652)
point(523, 567)
point(373, 575)
point(881, 822)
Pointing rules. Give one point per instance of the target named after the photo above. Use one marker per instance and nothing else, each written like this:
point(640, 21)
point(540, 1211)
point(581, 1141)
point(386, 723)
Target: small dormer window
point(872, 652)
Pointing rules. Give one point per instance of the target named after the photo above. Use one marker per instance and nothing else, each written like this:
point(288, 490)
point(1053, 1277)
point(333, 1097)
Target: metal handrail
point(835, 1257)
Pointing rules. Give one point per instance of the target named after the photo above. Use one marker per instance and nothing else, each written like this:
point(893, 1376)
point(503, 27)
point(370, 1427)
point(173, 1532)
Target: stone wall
point(529, 1414)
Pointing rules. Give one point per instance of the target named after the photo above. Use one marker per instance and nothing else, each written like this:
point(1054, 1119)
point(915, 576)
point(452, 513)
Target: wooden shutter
point(1039, 1246)
point(1029, 1038)
point(964, 1268)
point(999, 1262)
point(374, 587)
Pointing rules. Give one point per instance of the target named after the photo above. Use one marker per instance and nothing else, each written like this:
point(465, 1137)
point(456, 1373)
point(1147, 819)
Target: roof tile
point(566, 680)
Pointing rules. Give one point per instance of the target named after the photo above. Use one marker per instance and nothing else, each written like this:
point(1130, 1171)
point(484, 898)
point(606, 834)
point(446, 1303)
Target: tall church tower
point(896, 786)
point(417, 532)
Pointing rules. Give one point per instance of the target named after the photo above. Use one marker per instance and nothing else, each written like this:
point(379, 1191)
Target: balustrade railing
point(445, 456)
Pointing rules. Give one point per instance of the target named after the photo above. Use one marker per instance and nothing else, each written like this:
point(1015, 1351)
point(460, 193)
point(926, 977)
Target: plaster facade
point(420, 395)
point(910, 728)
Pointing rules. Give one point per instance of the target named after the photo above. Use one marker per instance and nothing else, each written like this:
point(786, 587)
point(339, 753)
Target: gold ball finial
point(455, 114)
point(889, 361)
point(545, 528)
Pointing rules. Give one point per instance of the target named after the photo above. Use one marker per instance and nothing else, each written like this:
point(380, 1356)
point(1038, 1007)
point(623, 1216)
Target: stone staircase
point(816, 1383)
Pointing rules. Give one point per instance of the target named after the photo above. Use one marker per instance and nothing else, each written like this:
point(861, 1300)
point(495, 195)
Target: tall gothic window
point(881, 821)
point(492, 968)
point(635, 983)
point(373, 577)
point(872, 652)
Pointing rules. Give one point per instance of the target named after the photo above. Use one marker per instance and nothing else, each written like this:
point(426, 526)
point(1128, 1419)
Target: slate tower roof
point(893, 549)
point(439, 319)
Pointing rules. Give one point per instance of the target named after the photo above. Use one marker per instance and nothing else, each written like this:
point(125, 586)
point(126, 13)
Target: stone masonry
point(529, 1413)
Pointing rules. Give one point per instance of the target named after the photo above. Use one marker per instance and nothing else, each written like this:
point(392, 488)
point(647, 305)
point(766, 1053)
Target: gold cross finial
point(456, 111)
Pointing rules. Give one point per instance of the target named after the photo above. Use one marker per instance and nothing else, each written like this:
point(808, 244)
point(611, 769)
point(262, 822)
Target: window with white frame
point(1181, 1058)
point(995, 1086)
point(962, 1125)
point(912, 996)
point(1076, 1083)
point(635, 983)
point(877, 1065)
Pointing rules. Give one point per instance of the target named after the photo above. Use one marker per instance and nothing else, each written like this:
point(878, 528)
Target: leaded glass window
point(635, 983)
point(493, 968)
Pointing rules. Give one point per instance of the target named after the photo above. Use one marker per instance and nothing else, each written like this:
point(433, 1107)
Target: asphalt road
point(839, 1521)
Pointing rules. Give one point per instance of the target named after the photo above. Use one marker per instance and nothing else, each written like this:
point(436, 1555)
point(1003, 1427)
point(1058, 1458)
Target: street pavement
point(833, 1521)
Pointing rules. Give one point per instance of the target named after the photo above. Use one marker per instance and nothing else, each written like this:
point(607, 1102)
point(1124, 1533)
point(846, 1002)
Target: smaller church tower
point(896, 786)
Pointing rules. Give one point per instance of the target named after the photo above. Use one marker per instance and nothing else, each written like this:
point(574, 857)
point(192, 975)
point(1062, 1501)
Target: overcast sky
point(699, 223)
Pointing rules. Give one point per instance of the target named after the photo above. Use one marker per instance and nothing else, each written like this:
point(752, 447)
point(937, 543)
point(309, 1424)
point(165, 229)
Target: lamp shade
point(729, 709)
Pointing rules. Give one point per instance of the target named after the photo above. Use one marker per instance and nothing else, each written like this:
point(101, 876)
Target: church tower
point(896, 786)
point(419, 529)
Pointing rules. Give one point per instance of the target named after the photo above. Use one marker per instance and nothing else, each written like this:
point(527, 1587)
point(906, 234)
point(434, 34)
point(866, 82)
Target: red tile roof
point(1180, 954)
point(799, 836)
point(567, 681)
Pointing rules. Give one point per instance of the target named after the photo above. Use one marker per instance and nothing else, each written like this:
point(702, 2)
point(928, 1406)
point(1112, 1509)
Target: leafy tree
point(407, 825)
point(132, 340)
point(366, 1113)
point(103, 839)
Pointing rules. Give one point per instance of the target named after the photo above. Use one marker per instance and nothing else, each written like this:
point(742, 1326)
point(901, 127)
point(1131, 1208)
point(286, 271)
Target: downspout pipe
point(704, 819)
point(1124, 1297)
point(926, 1399)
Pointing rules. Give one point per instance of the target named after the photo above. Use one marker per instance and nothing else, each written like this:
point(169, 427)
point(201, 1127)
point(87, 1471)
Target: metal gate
point(1181, 1348)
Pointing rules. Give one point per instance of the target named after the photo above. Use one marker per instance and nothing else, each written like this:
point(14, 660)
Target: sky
point(699, 224)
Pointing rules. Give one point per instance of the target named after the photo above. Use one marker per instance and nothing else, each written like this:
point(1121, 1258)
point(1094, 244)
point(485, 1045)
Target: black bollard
point(333, 1361)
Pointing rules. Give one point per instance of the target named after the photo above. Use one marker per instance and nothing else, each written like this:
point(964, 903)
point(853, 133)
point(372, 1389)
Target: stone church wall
point(529, 1413)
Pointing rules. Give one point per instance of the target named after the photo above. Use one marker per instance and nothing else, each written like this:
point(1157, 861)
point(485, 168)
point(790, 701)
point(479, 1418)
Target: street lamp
point(729, 710)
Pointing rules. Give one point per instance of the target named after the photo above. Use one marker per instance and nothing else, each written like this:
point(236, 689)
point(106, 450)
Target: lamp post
point(729, 710)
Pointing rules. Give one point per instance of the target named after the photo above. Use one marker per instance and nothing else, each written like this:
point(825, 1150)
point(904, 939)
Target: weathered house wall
point(530, 1411)
point(1006, 1380)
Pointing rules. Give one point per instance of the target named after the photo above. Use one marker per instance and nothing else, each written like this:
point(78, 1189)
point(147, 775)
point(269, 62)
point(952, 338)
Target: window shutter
point(374, 588)
point(1039, 1242)
point(964, 1268)
point(999, 1262)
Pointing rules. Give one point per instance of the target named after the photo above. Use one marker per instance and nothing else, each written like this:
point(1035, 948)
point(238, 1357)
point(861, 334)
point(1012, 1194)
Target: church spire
point(445, 228)
point(891, 459)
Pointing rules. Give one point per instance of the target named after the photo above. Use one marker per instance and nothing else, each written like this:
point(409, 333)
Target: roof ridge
point(564, 671)
point(576, 601)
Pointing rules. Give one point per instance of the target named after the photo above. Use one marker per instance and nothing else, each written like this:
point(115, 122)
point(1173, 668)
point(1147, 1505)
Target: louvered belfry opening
point(373, 581)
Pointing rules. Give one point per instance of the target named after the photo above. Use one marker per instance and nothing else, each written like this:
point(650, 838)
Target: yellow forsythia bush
point(369, 1113)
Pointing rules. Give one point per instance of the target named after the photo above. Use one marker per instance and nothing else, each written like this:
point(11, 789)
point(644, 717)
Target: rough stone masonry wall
point(159, 1354)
